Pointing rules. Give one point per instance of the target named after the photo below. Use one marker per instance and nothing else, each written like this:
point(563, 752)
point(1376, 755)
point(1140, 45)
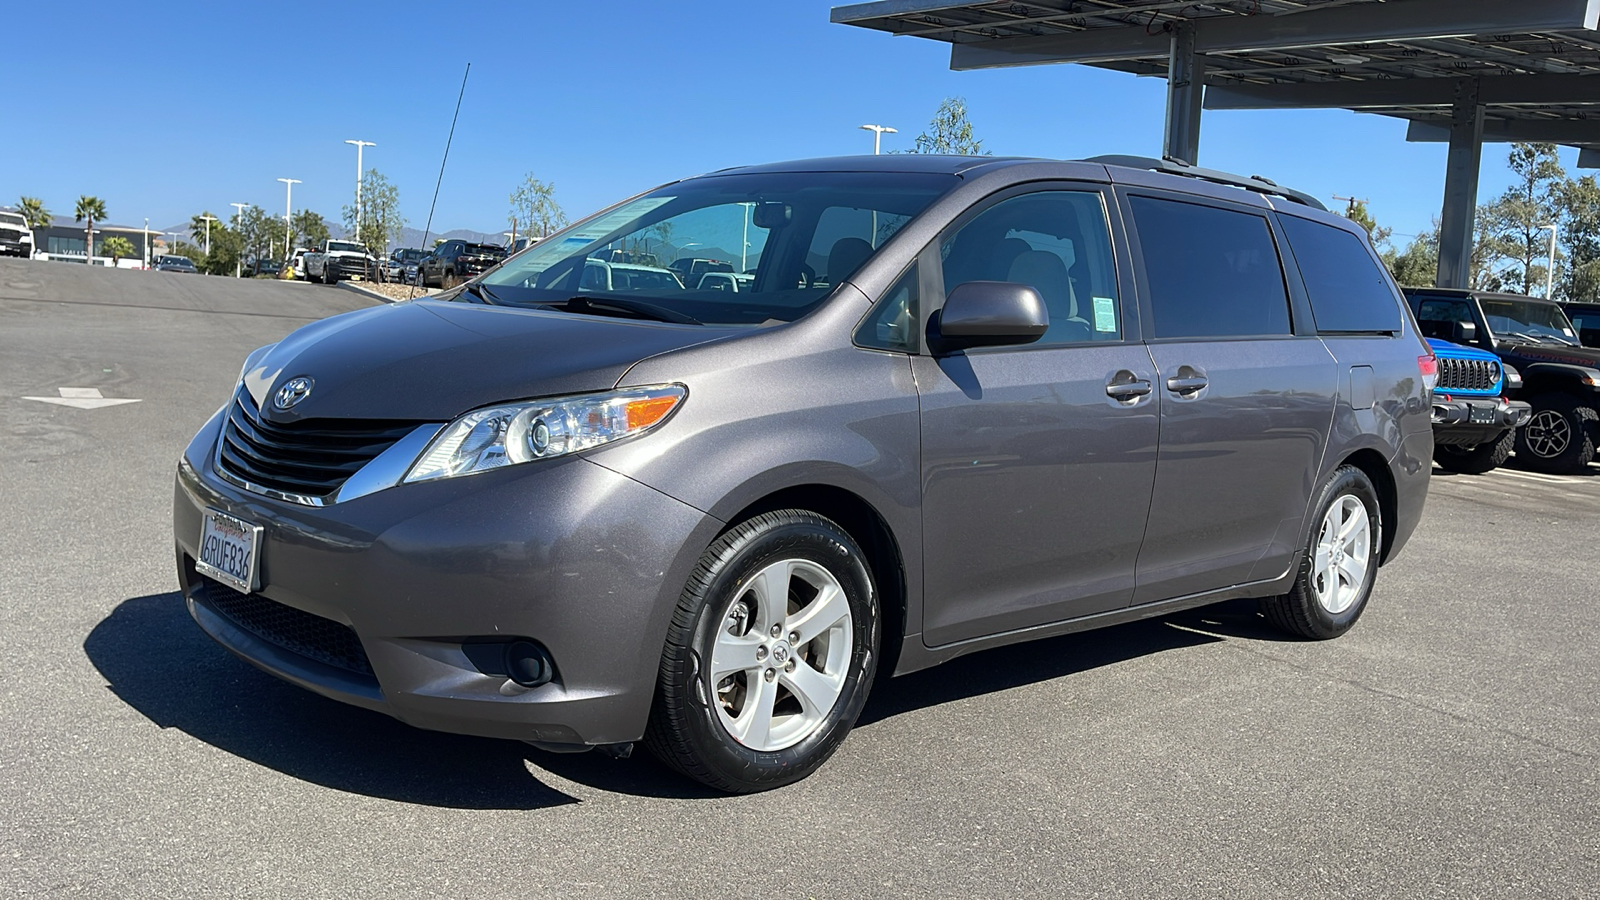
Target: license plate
point(230, 551)
point(1481, 415)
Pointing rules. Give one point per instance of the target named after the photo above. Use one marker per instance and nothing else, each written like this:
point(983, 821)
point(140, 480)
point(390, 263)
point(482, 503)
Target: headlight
point(541, 429)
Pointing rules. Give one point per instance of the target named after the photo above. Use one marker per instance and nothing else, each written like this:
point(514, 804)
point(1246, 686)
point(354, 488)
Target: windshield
point(1536, 320)
point(789, 238)
point(343, 247)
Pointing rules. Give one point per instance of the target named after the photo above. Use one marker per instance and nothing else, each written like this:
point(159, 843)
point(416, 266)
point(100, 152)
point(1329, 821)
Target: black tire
point(686, 730)
point(1299, 612)
point(1485, 457)
point(448, 281)
point(1559, 438)
point(314, 279)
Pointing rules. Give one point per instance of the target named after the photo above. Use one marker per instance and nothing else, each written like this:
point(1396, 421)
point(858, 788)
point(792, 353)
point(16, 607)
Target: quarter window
point(1212, 272)
point(1348, 290)
point(1058, 243)
point(894, 322)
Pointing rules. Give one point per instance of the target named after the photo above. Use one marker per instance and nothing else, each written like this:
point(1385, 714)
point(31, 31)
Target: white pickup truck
point(16, 238)
point(338, 260)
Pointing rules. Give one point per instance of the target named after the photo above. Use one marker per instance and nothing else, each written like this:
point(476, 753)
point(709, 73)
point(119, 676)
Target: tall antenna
point(1350, 204)
point(428, 228)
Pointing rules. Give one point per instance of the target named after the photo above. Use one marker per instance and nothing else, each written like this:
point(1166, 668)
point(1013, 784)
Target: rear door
point(1037, 461)
point(1245, 397)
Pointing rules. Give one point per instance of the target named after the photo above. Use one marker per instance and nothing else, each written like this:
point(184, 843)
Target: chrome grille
point(312, 458)
point(1468, 374)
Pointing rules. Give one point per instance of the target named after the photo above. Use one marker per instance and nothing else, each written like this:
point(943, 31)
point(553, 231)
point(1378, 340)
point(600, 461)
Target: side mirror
point(1466, 332)
point(988, 314)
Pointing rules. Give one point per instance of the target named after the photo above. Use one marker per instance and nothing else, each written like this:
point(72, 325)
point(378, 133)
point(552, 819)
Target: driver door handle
point(1128, 390)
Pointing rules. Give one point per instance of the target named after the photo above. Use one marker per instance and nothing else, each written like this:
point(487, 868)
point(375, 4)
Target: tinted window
point(1056, 241)
point(1347, 288)
point(1441, 318)
point(1212, 272)
point(845, 237)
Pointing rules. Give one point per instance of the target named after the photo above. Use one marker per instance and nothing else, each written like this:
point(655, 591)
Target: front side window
point(777, 244)
point(1212, 272)
point(1055, 241)
point(1442, 318)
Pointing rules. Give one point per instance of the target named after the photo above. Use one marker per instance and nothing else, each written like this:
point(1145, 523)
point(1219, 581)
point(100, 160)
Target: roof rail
point(1174, 167)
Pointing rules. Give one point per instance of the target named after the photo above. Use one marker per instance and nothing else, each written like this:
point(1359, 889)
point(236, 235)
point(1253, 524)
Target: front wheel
point(1485, 457)
point(1557, 438)
point(1340, 564)
point(770, 656)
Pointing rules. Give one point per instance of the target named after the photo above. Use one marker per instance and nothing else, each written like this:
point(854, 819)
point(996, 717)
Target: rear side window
point(1347, 289)
point(1212, 272)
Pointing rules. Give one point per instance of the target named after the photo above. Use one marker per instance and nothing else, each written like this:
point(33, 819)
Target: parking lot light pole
point(147, 242)
point(878, 131)
point(238, 219)
point(288, 211)
point(359, 146)
point(209, 219)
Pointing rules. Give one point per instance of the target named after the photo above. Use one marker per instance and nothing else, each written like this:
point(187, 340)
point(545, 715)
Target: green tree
point(193, 253)
point(198, 229)
point(90, 209)
point(1580, 235)
point(534, 210)
point(381, 221)
point(950, 131)
point(1418, 264)
point(117, 247)
point(1511, 232)
point(306, 229)
point(33, 211)
point(1358, 213)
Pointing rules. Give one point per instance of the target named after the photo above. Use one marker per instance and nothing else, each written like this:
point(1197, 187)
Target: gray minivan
point(965, 402)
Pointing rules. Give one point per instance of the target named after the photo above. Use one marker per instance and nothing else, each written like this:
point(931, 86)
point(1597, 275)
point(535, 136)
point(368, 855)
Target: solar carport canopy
point(1462, 71)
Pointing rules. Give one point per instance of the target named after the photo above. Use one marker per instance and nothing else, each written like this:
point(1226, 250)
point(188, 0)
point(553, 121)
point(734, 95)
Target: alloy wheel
point(1344, 549)
point(1547, 434)
point(781, 655)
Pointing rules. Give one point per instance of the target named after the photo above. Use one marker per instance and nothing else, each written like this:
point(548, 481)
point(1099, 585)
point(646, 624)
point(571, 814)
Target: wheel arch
point(1376, 468)
point(862, 521)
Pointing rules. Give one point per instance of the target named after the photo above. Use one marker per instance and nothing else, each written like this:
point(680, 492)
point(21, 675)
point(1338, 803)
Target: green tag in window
point(1105, 314)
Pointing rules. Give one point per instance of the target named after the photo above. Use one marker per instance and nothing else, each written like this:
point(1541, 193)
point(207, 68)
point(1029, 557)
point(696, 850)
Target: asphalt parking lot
point(1445, 747)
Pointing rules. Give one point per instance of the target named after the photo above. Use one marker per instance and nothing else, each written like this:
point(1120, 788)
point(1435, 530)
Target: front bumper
point(587, 563)
point(350, 267)
point(16, 248)
point(1472, 421)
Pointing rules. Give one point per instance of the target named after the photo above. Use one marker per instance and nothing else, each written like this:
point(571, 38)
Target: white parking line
point(1547, 479)
point(81, 398)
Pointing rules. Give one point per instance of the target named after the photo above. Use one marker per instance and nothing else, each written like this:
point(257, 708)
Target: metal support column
point(1460, 187)
point(1186, 74)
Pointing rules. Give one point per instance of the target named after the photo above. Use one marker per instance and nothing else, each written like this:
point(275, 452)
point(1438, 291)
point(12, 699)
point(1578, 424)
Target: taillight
point(1428, 366)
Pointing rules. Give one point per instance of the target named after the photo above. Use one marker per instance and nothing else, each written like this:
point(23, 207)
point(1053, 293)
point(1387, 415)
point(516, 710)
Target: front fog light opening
point(528, 664)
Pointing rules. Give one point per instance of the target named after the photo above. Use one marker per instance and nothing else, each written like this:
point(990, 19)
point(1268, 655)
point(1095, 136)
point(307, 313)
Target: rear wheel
point(1485, 457)
point(1341, 561)
point(449, 280)
point(770, 656)
point(1558, 438)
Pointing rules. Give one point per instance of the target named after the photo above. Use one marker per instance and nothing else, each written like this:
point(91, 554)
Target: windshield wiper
point(639, 308)
point(1525, 338)
point(477, 289)
point(1559, 340)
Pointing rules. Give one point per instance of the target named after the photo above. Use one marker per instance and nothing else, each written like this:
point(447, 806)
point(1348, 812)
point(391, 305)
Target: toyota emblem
point(293, 391)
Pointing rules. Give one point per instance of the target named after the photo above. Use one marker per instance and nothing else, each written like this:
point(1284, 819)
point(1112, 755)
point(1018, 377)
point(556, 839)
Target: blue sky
point(169, 109)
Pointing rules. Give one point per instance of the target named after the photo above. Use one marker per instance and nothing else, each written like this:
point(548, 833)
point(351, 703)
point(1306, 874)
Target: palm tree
point(89, 208)
point(32, 209)
point(117, 247)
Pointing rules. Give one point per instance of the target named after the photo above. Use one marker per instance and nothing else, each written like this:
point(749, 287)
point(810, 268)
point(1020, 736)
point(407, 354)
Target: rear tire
point(770, 655)
point(1341, 561)
point(448, 281)
point(1485, 457)
point(1559, 437)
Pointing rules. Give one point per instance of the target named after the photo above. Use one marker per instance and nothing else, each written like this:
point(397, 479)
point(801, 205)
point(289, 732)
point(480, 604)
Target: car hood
point(1445, 348)
point(1521, 354)
point(432, 361)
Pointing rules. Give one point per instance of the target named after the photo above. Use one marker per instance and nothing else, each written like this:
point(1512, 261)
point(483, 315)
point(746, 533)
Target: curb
point(359, 288)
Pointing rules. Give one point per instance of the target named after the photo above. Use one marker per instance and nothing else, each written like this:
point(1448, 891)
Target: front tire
point(1341, 561)
point(1485, 457)
point(1558, 438)
point(770, 655)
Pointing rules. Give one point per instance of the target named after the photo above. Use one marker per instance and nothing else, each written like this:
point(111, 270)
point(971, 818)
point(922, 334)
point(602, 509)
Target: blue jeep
point(1474, 425)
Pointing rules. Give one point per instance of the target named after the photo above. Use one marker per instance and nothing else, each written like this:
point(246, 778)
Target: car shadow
point(160, 663)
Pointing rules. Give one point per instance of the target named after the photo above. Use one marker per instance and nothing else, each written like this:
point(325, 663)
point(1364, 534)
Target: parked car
point(725, 281)
point(689, 269)
point(335, 261)
point(455, 260)
point(1586, 321)
point(16, 237)
point(616, 276)
point(174, 264)
point(394, 268)
point(297, 262)
point(1560, 379)
point(267, 267)
point(1053, 396)
point(1474, 419)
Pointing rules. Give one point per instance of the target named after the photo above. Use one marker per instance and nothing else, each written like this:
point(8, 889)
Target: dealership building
point(64, 240)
